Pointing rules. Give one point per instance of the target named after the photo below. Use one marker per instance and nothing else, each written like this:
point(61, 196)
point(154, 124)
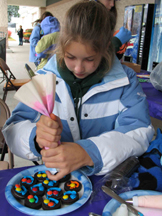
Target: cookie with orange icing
point(33, 201)
point(73, 185)
point(19, 192)
point(40, 176)
point(69, 197)
point(51, 204)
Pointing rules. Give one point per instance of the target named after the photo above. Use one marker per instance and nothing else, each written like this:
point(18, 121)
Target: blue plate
point(84, 193)
point(112, 205)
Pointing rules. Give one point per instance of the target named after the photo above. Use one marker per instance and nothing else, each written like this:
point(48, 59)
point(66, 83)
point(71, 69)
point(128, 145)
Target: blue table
point(6, 209)
point(154, 98)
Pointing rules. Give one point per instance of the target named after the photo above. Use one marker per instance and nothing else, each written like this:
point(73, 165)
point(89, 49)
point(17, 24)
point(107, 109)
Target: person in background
point(36, 36)
point(50, 27)
point(20, 34)
point(100, 114)
point(121, 36)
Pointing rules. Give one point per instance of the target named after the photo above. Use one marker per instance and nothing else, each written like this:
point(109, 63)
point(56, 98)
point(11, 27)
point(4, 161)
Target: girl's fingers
point(47, 122)
point(58, 176)
point(56, 118)
point(45, 143)
point(55, 137)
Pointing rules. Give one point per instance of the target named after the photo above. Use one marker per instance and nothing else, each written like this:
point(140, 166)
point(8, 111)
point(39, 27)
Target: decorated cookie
point(40, 176)
point(65, 178)
point(73, 185)
point(33, 201)
point(51, 204)
point(54, 192)
point(37, 189)
point(27, 181)
point(69, 197)
point(19, 192)
point(47, 183)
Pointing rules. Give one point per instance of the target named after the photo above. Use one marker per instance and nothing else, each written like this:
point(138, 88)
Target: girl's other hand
point(67, 157)
point(48, 131)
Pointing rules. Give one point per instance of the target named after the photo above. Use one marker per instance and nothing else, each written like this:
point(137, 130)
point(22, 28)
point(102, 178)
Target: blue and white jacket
point(114, 122)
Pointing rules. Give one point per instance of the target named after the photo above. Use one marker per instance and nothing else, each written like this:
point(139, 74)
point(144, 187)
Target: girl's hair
point(44, 15)
point(88, 22)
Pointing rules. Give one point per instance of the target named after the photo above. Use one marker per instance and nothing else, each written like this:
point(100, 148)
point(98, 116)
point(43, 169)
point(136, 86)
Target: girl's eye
point(90, 60)
point(70, 57)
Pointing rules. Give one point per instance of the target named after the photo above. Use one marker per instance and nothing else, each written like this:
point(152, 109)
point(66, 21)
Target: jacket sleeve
point(131, 135)
point(20, 130)
point(116, 43)
point(35, 36)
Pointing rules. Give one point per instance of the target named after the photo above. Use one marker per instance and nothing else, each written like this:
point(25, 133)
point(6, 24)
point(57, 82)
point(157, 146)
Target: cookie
point(54, 192)
point(19, 192)
point(40, 176)
point(37, 189)
point(73, 185)
point(27, 181)
point(33, 201)
point(47, 183)
point(69, 197)
point(51, 204)
point(65, 178)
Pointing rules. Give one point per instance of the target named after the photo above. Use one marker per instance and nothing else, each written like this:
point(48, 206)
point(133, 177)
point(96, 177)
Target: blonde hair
point(91, 23)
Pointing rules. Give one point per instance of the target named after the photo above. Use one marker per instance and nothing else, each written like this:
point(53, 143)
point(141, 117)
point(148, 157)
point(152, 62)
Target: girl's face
point(81, 59)
point(108, 3)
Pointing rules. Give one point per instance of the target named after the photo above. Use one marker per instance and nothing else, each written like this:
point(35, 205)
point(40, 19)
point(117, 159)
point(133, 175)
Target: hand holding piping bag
point(48, 132)
point(55, 119)
point(39, 94)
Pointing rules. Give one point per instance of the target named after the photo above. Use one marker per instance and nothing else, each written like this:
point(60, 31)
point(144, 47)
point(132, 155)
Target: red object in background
point(9, 33)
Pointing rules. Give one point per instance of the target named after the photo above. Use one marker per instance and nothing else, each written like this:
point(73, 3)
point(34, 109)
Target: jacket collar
point(115, 78)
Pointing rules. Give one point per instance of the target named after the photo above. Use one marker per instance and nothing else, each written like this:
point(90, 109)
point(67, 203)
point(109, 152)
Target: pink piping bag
point(39, 94)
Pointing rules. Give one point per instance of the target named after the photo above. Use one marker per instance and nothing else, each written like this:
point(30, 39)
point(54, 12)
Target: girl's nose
point(79, 67)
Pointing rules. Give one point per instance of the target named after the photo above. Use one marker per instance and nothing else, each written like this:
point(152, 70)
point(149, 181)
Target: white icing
point(122, 210)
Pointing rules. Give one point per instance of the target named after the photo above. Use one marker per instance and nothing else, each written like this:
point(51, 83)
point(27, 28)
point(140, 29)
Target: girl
point(100, 115)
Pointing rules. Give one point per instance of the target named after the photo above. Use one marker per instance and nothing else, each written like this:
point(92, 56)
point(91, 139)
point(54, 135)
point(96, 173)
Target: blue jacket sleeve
point(35, 36)
point(20, 131)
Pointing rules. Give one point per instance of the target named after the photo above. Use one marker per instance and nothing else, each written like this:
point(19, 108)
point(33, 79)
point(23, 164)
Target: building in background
point(27, 16)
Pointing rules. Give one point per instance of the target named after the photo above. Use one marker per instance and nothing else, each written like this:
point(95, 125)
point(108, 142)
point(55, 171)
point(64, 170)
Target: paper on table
point(39, 93)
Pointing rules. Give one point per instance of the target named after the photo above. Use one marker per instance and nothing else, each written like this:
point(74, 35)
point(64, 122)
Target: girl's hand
point(67, 157)
point(48, 131)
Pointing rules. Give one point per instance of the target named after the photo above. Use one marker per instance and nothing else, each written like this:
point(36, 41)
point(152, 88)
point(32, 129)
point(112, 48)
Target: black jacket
point(20, 33)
